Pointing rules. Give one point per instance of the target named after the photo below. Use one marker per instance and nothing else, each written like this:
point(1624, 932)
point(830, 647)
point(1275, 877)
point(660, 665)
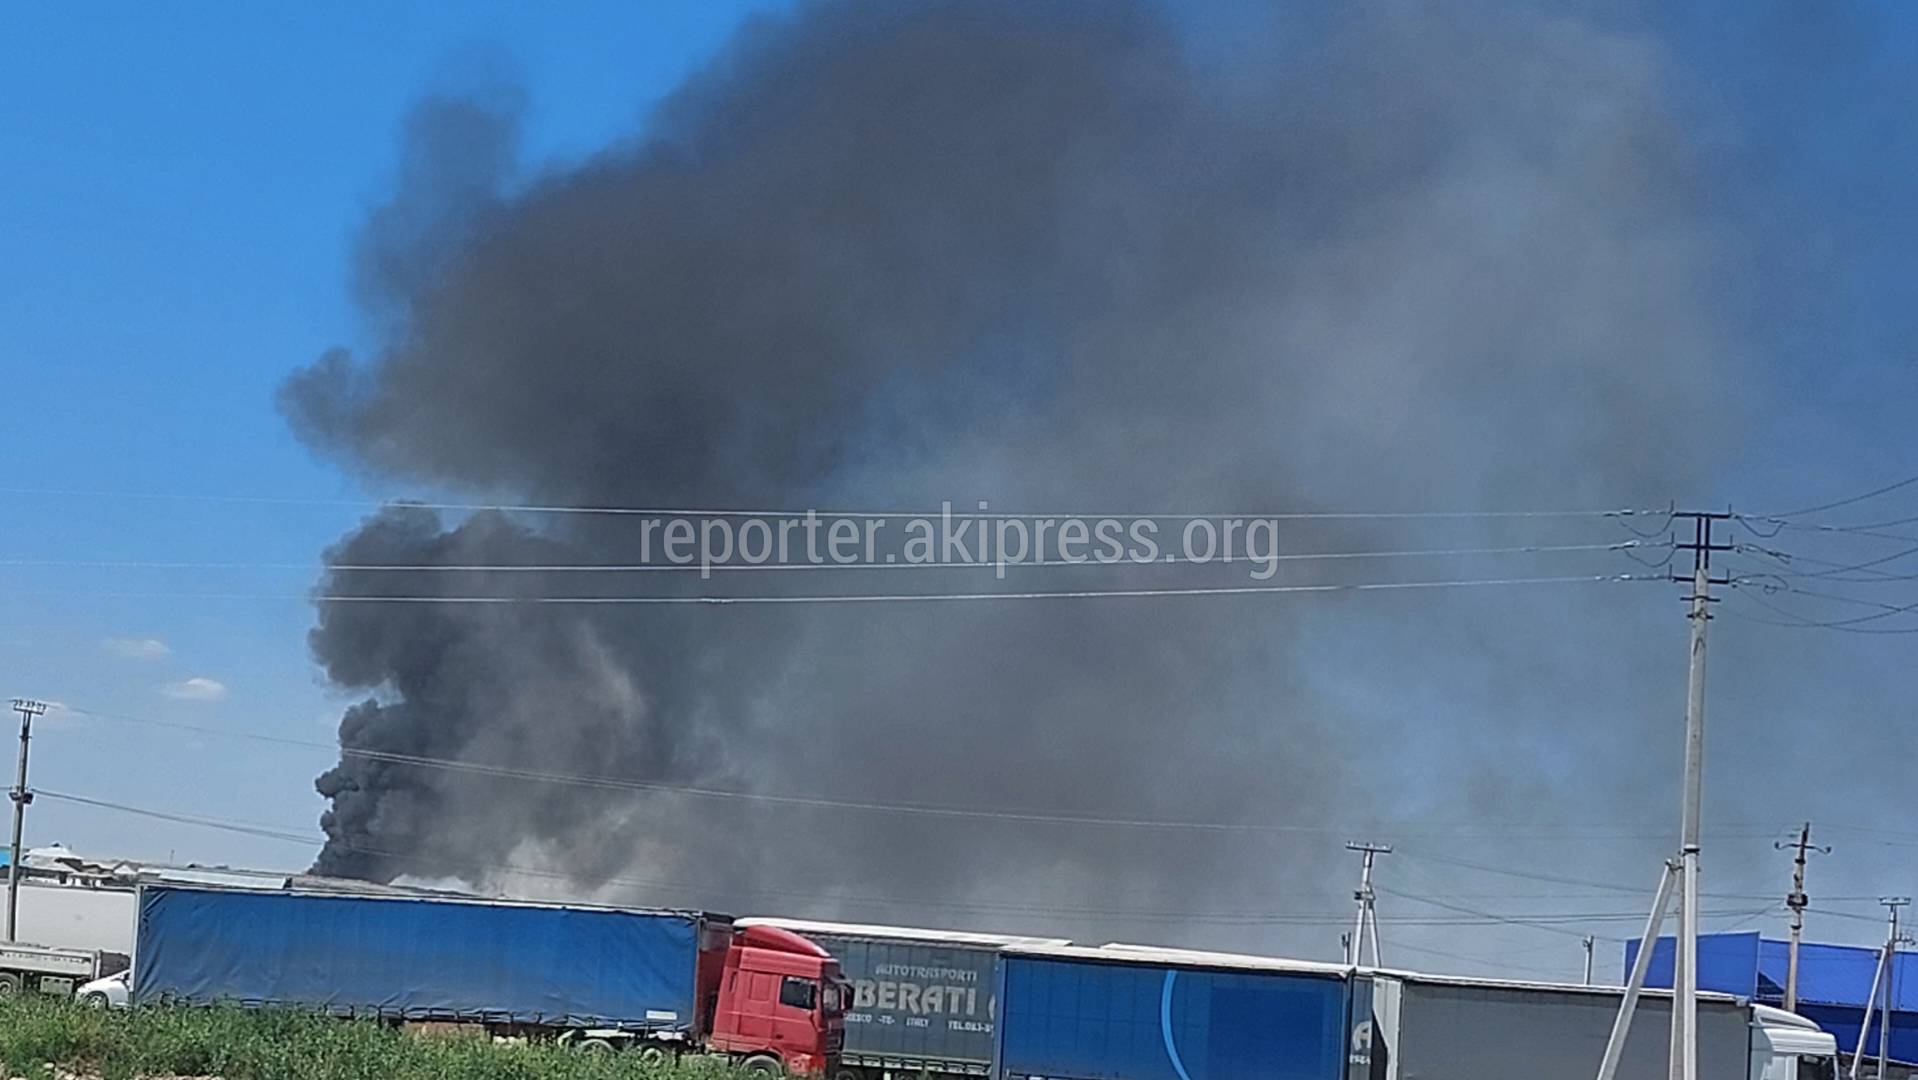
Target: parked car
point(107, 993)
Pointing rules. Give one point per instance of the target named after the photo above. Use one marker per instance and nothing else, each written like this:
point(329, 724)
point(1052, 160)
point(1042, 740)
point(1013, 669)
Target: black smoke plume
point(1057, 256)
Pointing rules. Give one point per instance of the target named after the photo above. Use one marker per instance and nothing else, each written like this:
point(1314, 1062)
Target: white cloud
point(198, 688)
point(128, 648)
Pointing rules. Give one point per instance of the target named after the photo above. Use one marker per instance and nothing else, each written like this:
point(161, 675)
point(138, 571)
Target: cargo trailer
point(1434, 1026)
point(656, 981)
point(1430, 1027)
point(1078, 1013)
point(1122, 1012)
point(923, 1000)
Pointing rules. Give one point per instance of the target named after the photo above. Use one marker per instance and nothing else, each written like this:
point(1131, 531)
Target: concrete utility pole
point(1635, 982)
point(1590, 943)
point(1892, 904)
point(1682, 874)
point(1684, 1063)
point(1871, 1007)
point(21, 797)
point(1797, 901)
point(1368, 916)
point(1879, 999)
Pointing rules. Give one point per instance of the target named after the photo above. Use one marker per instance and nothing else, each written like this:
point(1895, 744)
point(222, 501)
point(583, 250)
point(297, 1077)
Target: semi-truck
point(43, 969)
point(1139, 1013)
point(922, 1000)
point(657, 982)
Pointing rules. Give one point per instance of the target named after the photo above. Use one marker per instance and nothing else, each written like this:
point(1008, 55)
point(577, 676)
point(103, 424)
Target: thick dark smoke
point(882, 255)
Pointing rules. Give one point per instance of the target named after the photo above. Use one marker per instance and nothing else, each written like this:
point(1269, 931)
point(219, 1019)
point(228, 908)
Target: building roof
point(1754, 966)
point(1834, 981)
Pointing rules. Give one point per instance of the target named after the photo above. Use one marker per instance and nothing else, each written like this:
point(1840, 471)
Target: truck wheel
point(764, 1064)
point(9, 984)
point(596, 1046)
point(653, 1054)
point(848, 1074)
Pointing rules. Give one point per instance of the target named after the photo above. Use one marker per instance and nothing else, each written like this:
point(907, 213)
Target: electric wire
point(1549, 924)
point(1024, 816)
point(859, 598)
point(1884, 611)
point(698, 512)
point(1671, 515)
point(1786, 559)
point(696, 567)
point(1554, 879)
point(1227, 918)
point(1822, 507)
point(1496, 963)
point(1781, 524)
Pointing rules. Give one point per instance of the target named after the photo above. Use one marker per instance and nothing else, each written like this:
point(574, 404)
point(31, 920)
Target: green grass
point(237, 1044)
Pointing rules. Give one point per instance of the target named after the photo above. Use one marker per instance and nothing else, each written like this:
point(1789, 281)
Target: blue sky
point(179, 190)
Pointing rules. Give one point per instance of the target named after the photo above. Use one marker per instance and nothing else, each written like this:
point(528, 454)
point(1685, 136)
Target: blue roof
point(1841, 974)
point(1834, 981)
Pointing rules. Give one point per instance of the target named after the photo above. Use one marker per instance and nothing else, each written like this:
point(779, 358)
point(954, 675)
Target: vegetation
point(237, 1044)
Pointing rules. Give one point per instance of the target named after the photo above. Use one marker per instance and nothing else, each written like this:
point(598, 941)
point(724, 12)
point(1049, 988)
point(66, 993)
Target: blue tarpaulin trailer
point(1075, 1013)
point(422, 958)
point(1133, 1013)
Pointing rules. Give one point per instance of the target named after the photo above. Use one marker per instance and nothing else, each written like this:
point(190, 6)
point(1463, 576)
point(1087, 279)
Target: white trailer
point(45, 970)
point(1432, 1027)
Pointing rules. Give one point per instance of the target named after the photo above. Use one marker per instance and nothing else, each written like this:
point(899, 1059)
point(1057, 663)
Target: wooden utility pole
point(1797, 901)
point(21, 797)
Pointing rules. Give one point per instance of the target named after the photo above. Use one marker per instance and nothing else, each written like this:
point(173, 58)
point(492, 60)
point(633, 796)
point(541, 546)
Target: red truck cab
point(778, 1001)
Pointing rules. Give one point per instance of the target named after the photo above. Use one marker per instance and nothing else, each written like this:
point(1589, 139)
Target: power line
point(1482, 961)
point(1852, 625)
point(1888, 609)
point(858, 598)
point(1786, 559)
point(1822, 507)
point(264, 832)
point(1512, 920)
point(1557, 924)
point(1116, 914)
point(1794, 621)
point(1781, 524)
point(694, 512)
point(1554, 879)
point(625, 784)
point(695, 567)
point(1886, 523)
point(1836, 914)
